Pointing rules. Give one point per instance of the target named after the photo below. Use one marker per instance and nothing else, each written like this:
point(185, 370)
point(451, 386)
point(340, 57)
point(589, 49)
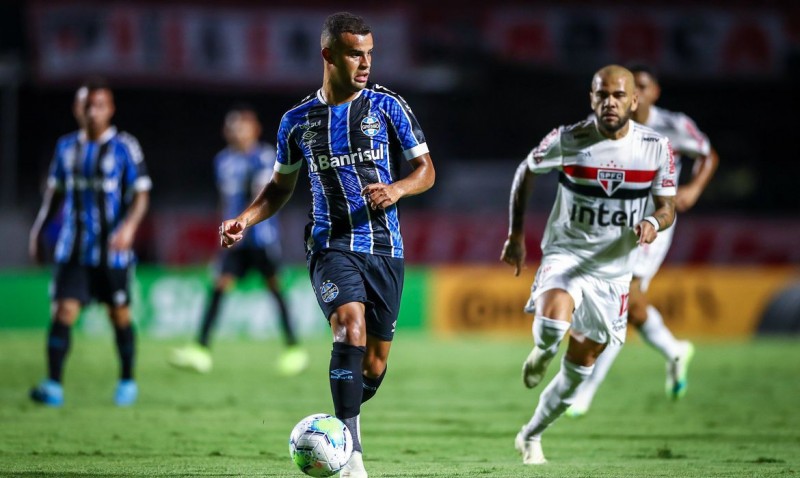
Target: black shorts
point(87, 283)
point(238, 260)
point(340, 277)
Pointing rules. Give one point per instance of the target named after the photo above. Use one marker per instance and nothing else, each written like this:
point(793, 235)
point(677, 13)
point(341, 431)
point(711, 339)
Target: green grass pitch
point(449, 408)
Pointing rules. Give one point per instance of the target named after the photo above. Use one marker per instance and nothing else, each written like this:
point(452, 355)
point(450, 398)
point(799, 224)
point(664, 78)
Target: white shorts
point(601, 306)
point(647, 258)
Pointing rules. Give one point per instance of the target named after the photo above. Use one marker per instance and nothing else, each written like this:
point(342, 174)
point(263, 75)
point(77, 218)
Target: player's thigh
point(111, 286)
point(556, 291)
point(71, 282)
point(603, 314)
point(383, 279)
point(337, 280)
point(233, 262)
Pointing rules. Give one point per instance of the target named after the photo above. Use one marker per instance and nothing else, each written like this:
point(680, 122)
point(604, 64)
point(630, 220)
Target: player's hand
point(380, 195)
point(231, 232)
point(122, 239)
point(645, 232)
point(686, 198)
point(514, 253)
point(35, 248)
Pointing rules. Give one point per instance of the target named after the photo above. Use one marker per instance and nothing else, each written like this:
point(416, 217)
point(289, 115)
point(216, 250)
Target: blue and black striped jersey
point(347, 147)
point(240, 176)
point(99, 180)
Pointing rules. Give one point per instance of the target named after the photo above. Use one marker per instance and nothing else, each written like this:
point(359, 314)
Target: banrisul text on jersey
point(347, 147)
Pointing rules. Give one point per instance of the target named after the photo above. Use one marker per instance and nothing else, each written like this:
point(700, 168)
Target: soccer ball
point(320, 445)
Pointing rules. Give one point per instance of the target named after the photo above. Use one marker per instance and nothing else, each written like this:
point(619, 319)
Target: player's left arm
point(136, 178)
point(123, 237)
point(703, 170)
point(421, 178)
point(663, 216)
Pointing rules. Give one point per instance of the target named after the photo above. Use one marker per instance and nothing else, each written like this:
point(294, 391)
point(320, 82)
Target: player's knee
point(120, 316)
point(637, 312)
point(66, 312)
point(349, 328)
point(374, 366)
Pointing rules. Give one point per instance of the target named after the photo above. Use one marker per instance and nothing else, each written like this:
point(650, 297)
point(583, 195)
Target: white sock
point(556, 398)
point(548, 333)
point(655, 333)
point(603, 364)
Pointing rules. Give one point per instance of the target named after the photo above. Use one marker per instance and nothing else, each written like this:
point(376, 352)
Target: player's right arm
point(514, 247)
point(541, 159)
point(51, 203)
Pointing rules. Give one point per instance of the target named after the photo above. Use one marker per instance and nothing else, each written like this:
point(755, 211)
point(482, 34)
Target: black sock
point(352, 425)
point(58, 342)
point(346, 379)
point(126, 347)
point(210, 317)
point(371, 386)
point(286, 324)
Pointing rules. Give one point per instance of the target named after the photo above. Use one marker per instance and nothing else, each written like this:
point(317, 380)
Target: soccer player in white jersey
point(687, 142)
point(608, 168)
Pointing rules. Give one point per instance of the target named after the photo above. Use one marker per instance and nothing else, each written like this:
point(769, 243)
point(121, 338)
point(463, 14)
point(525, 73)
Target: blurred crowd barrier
point(696, 301)
point(477, 237)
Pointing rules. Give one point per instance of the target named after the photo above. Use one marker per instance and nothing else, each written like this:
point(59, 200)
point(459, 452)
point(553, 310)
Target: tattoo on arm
point(665, 210)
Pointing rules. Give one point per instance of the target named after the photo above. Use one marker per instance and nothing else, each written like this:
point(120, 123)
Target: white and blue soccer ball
point(320, 445)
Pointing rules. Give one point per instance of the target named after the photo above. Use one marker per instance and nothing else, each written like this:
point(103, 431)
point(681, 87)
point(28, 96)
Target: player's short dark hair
point(642, 68)
point(342, 22)
point(242, 107)
point(95, 83)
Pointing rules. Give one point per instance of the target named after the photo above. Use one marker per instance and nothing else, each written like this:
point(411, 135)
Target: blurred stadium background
point(487, 82)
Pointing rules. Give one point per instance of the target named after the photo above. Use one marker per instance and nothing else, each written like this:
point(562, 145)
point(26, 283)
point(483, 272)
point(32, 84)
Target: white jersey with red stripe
point(604, 188)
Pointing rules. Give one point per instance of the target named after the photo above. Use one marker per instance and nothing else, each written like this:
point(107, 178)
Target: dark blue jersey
point(347, 147)
point(99, 180)
point(240, 176)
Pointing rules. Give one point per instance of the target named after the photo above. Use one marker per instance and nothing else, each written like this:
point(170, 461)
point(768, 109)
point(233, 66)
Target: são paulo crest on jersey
point(604, 186)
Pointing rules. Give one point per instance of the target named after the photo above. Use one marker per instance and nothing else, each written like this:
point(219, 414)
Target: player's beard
point(623, 120)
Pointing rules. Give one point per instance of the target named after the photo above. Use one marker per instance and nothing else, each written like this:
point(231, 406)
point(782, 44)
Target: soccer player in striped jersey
point(608, 168)
point(352, 135)
point(99, 181)
point(242, 169)
point(687, 142)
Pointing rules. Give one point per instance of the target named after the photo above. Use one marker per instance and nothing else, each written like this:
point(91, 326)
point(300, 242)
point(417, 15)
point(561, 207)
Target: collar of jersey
point(104, 138)
point(321, 98)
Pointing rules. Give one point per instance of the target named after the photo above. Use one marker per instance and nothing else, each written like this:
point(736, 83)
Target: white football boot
point(354, 467)
point(531, 450)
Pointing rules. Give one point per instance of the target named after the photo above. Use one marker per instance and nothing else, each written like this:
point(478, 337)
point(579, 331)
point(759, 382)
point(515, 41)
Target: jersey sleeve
point(289, 156)
point(547, 155)
point(687, 139)
point(265, 163)
point(406, 127)
point(136, 176)
point(665, 181)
